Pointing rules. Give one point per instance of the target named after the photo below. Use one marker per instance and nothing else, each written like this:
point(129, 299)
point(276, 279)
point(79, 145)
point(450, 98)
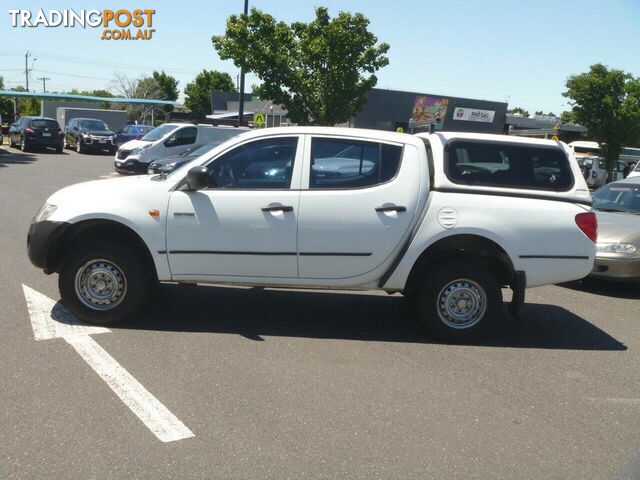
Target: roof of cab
point(338, 131)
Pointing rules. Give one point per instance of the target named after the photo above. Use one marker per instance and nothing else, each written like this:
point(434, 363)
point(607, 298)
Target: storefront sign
point(473, 115)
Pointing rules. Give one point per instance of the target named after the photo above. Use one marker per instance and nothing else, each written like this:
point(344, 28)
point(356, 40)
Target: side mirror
point(198, 178)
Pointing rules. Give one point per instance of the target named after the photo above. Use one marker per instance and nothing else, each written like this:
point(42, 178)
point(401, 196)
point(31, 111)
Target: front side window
point(186, 136)
point(345, 164)
point(497, 164)
point(263, 164)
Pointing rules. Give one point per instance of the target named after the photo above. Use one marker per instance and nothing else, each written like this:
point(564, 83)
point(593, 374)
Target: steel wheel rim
point(461, 304)
point(78, 146)
point(100, 285)
point(23, 144)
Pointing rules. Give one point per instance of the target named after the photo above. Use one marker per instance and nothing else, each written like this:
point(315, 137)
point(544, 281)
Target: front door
point(360, 203)
point(245, 224)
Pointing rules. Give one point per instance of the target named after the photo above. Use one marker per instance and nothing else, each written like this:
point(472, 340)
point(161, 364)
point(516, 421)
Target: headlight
point(617, 248)
point(84, 135)
point(139, 150)
point(167, 167)
point(45, 212)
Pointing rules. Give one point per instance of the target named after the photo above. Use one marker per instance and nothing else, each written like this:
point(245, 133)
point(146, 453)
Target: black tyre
point(24, 146)
point(59, 149)
point(104, 282)
point(458, 301)
point(11, 144)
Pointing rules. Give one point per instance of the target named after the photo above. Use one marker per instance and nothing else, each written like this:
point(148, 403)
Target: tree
point(6, 105)
point(198, 93)
point(567, 117)
point(318, 71)
point(607, 103)
point(158, 86)
point(518, 110)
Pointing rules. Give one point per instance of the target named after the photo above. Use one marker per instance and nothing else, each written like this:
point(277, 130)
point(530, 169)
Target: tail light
point(588, 223)
point(28, 131)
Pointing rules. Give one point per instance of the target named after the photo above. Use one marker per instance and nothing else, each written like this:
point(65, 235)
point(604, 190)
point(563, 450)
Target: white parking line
point(50, 320)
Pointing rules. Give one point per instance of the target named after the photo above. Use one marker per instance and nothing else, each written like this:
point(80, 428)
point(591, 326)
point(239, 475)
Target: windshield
point(618, 197)
point(198, 150)
point(93, 125)
point(158, 133)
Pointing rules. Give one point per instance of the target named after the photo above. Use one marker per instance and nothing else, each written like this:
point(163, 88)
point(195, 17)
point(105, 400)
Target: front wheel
point(103, 283)
point(79, 146)
point(458, 301)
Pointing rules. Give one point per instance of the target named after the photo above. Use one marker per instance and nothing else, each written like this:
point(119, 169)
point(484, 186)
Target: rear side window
point(43, 123)
point(495, 164)
point(345, 164)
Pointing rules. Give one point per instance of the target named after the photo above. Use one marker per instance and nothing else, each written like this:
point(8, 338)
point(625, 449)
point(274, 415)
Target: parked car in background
point(617, 206)
point(36, 132)
point(169, 164)
point(635, 172)
point(594, 170)
point(168, 140)
point(133, 132)
point(86, 134)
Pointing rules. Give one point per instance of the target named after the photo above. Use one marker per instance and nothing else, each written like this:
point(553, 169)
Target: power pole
point(44, 83)
point(26, 69)
point(241, 105)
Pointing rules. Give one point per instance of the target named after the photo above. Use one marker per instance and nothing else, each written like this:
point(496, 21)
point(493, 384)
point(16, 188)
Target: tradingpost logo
point(116, 24)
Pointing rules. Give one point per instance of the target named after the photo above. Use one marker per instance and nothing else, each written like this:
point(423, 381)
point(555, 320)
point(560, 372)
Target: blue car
point(133, 132)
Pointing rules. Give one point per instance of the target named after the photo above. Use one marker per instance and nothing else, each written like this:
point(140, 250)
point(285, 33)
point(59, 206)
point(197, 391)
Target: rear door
point(359, 201)
point(45, 131)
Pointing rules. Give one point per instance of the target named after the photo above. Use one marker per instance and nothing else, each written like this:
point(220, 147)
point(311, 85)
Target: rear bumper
point(622, 270)
point(44, 141)
point(42, 240)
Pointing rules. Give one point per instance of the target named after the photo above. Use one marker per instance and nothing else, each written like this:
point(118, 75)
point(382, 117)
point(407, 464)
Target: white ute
point(448, 219)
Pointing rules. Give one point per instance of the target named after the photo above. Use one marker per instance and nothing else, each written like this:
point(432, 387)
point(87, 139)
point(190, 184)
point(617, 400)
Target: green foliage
point(318, 71)
point(567, 117)
point(607, 103)
point(6, 105)
point(518, 110)
point(198, 93)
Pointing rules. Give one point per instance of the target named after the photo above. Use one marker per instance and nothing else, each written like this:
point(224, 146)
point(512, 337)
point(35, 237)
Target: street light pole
point(241, 103)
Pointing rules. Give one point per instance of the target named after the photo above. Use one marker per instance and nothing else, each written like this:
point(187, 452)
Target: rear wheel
point(103, 283)
point(23, 145)
point(458, 301)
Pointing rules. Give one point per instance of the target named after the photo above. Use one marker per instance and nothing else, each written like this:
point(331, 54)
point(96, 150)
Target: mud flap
point(518, 286)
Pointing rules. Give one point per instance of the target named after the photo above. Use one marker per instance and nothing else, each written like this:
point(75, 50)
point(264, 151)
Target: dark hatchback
point(36, 132)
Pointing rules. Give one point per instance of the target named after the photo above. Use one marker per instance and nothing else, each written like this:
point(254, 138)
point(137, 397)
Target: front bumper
point(130, 165)
point(618, 269)
point(42, 240)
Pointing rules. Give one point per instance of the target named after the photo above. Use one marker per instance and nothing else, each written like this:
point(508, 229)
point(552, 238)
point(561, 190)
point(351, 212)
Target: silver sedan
point(617, 206)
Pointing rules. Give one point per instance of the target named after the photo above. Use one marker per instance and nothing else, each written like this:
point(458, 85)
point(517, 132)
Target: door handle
point(391, 208)
point(277, 208)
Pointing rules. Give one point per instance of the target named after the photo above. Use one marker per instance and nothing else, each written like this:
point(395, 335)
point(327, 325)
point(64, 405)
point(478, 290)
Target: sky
point(521, 51)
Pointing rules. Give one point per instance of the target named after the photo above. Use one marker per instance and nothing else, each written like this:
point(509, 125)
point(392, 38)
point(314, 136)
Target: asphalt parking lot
point(305, 384)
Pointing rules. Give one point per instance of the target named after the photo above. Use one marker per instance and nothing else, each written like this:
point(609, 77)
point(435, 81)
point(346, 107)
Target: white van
point(167, 140)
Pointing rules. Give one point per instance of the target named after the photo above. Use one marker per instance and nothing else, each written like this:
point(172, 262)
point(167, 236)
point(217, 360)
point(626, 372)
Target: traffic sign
point(258, 119)
point(400, 130)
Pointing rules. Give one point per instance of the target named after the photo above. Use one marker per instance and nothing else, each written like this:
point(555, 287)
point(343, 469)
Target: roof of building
point(91, 98)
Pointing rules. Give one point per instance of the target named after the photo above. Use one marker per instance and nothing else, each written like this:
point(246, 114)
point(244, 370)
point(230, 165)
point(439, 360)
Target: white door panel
point(225, 232)
point(246, 224)
point(341, 232)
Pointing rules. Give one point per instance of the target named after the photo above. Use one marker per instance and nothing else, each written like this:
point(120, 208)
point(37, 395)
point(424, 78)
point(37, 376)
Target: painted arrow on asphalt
point(50, 320)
